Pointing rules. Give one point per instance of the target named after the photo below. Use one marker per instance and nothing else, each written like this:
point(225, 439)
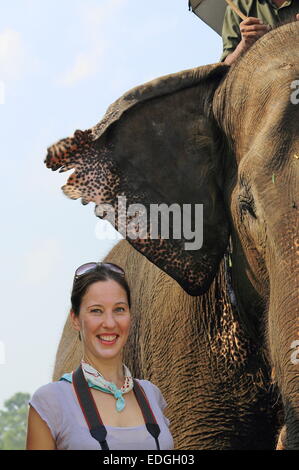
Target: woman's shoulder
point(51, 390)
point(147, 383)
point(49, 402)
point(153, 392)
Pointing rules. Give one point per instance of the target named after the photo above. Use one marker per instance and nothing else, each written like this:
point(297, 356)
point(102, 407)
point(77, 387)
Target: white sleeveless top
point(58, 406)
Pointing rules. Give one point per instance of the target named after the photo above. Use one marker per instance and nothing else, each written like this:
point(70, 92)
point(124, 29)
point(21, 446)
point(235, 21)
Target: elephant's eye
point(246, 206)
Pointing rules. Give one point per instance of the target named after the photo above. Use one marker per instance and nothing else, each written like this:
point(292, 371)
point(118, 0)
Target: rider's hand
point(251, 30)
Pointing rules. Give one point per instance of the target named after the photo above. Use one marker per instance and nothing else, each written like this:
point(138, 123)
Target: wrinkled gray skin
point(227, 138)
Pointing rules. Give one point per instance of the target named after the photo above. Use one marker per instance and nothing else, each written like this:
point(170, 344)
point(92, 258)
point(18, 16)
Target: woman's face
point(104, 320)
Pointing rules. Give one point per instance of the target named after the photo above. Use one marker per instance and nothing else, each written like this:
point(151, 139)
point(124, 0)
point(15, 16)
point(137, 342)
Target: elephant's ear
point(155, 145)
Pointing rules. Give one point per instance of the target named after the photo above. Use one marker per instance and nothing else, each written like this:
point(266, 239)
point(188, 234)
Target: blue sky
point(61, 65)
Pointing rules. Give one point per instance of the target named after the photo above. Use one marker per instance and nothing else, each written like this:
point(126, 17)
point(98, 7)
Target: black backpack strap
point(89, 408)
point(148, 415)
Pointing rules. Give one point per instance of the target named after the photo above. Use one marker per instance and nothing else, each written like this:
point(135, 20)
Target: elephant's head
point(226, 138)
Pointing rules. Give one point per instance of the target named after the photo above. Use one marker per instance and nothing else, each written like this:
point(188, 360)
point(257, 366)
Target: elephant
point(224, 138)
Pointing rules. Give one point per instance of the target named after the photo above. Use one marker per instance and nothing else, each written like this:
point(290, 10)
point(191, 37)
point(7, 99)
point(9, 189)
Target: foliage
point(13, 422)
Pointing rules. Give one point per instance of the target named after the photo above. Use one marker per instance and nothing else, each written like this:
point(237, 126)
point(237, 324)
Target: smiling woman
point(101, 313)
point(58, 415)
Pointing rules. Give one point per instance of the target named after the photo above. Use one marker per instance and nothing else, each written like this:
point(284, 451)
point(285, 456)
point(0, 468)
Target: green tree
point(13, 422)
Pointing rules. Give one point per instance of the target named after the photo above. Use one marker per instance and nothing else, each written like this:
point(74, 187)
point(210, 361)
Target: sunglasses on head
point(87, 267)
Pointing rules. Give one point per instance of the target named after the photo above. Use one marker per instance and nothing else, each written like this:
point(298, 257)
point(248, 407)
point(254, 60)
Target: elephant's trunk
point(284, 345)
